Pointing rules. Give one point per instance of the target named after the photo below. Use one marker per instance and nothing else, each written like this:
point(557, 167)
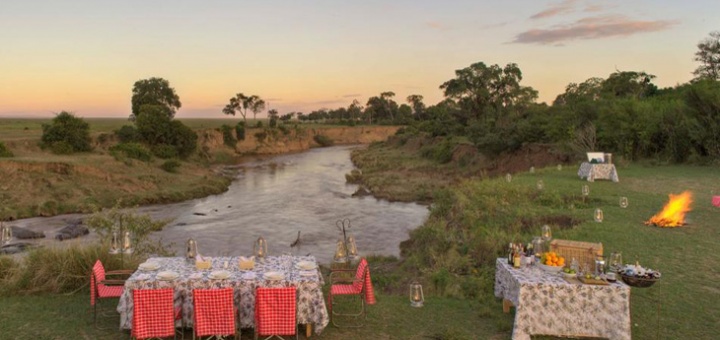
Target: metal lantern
point(538, 246)
point(546, 233)
point(340, 252)
point(559, 167)
point(416, 295)
point(351, 246)
point(127, 244)
point(598, 215)
point(260, 248)
point(192, 250)
point(585, 190)
point(508, 178)
point(623, 202)
point(540, 184)
point(115, 243)
point(532, 169)
point(5, 234)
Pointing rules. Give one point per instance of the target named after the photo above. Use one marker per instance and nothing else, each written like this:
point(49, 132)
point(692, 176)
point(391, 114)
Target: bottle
point(517, 258)
point(510, 254)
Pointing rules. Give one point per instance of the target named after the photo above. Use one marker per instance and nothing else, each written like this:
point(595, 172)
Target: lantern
point(192, 251)
point(623, 202)
point(615, 261)
point(598, 215)
point(340, 252)
point(416, 295)
point(126, 244)
point(559, 167)
point(351, 247)
point(508, 178)
point(585, 190)
point(5, 234)
point(546, 233)
point(538, 246)
point(260, 248)
point(540, 184)
point(532, 169)
point(115, 243)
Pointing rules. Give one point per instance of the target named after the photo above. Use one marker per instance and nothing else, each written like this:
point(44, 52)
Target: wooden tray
point(592, 281)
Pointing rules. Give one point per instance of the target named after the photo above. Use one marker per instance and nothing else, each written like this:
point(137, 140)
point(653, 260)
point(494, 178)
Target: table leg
point(308, 329)
point(506, 305)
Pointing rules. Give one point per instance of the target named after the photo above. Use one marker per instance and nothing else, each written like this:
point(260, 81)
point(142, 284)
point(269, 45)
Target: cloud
point(592, 28)
point(437, 25)
point(557, 9)
point(352, 95)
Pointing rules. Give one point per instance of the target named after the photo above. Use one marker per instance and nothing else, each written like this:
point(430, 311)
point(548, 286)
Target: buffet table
point(546, 304)
point(311, 307)
point(593, 171)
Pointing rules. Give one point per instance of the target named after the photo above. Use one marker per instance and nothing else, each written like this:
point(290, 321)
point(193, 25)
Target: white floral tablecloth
point(547, 304)
point(598, 171)
point(311, 307)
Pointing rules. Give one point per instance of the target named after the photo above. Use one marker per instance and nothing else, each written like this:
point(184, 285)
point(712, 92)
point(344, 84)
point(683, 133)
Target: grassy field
point(684, 304)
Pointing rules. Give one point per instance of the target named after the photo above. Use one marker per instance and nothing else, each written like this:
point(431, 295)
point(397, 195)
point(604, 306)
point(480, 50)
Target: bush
point(131, 150)
point(61, 148)
point(261, 136)
point(273, 122)
point(170, 166)
point(323, 140)
point(164, 151)
point(228, 138)
point(4, 151)
point(156, 127)
point(67, 128)
point(127, 134)
point(284, 129)
point(240, 131)
point(259, 124)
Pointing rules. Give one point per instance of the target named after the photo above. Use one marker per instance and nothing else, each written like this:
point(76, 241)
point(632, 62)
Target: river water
point(277, 197)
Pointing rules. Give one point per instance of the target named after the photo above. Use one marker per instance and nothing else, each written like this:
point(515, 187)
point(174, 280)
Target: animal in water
point(72, 230)
point(297, 240)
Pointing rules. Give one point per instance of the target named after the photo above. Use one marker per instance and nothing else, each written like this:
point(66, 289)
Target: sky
point(84, 56)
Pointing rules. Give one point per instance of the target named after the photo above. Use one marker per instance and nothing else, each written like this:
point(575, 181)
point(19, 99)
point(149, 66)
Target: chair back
point(153, 313)
point(360, 275)
point(213, 312)
point(275, 311)
point(97, 275)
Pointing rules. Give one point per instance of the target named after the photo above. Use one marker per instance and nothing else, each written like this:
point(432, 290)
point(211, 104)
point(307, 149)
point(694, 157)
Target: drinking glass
point(623, 202)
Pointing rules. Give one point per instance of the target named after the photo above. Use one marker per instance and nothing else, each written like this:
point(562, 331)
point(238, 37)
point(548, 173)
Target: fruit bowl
point(569, 275)
point(550, 269)
point(638, 282)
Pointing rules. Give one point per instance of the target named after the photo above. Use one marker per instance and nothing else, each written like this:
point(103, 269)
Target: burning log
point(673, 214)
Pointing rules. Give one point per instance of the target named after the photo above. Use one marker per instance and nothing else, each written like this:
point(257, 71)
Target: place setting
point(167, 275)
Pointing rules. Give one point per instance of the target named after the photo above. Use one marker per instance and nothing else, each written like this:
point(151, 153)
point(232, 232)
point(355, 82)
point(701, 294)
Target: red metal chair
point(275, 312)
point(214, 313)
point(154, 313)
point(359, 287)
point(103, 288)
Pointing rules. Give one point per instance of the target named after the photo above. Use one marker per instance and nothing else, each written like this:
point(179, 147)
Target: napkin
point(247, 262)
point(203, 262)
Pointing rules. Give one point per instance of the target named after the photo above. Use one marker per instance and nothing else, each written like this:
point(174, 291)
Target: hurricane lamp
point(546, 233)
point(115, 243)
point(540, 184)
point(192, 250)
point(352, 252)
point(508, 178)
point(416, 295)
point(260, 248)
point(5, 234)
point(623, 202)
point(598, 215)
point(127, 243)
point(340, 252)
point(585, 190)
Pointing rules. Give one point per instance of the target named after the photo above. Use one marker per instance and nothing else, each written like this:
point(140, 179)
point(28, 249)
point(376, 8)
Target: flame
point(673, 214)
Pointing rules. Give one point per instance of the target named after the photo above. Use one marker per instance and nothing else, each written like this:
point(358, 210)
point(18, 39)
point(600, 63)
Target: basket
point(639, 282)
point(584, 252)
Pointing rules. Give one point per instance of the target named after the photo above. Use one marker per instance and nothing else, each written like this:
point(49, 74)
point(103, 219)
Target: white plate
point(249, 276)
point(273, 276)
point(149, 266)
point(167, 276)
point(219, 275)
point(306, 265)
point(308, 272)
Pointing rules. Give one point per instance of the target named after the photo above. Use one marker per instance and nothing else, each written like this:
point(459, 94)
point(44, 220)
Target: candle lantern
point(340, 252)
point(532, 169)
point(115, 243)
point(5, 234)
point(508, 178)
point(260, 248)
point(127, 243)
point(598, 215)
point(546, 233)
point(559, 167)
point(585, 190)
point(623, 202)
point(615, 261)
point(352, 252)
point(540, 184)
point(416, 295)
point(538, 246)
point(192, 251)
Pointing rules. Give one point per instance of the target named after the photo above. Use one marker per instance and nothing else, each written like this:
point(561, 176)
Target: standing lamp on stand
point(121, 246)
point(346, 248)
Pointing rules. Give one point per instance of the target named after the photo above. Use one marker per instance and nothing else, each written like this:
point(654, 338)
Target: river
point(277, 197)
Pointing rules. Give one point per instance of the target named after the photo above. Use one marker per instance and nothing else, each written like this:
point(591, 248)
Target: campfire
point(673, 214)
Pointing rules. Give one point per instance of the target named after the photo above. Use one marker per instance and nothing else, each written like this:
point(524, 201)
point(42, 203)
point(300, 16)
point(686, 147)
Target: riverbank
point(38, 183)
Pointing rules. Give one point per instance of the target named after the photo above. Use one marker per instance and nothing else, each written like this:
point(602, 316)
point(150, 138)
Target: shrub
point(259, 124)
point(61, 148)
point(170, 166)
point(228, 138)
point(284, 129)
point(240, 131)
point(156, 127)
point(131, 150)
point(4, 151)
point(273, 122)
point(323, 140)
point(164, 151)
point(260, 136)
point(67, 128)
point(127, 133)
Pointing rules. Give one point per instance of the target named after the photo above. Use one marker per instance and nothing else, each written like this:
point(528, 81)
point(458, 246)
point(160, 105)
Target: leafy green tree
point(708, 55)
point(156, 128)
point(242, 103)
point(628, 84)
point(418, 107)
point(381, 107)
point(703, 99)
point(273, 116)
point(68, 131)
point(154, 91)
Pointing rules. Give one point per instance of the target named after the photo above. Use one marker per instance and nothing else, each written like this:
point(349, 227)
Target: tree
point(381, 107)
point(273, 116)
point(418, 107)
point(628, 84)
point(156, 128)
point(154, 91)
point(708, 55)
point(66, 134)
point(242, 103)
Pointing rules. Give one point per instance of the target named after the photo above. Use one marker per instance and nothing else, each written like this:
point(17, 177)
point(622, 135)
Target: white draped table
point(311, 307)
point(593, 171)
point(547, 304)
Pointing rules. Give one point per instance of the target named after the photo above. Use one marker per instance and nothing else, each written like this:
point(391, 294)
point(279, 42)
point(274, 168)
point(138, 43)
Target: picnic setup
point(598, 166)
point(219, 296)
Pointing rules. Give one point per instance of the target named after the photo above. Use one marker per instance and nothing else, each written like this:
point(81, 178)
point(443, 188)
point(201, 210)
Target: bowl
point(638, 282)
point(569, 276)
point(550, 269)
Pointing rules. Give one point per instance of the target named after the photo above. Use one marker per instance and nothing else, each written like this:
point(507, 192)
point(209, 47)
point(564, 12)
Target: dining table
point(547, 303)
point(185, 277)
point(593, 171)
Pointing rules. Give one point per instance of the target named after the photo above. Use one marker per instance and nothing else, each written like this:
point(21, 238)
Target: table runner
point(598, 171)
point(546, 304)
point(311, 307)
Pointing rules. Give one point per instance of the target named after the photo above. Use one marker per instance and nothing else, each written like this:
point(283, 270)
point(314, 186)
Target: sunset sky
point(84, 56)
